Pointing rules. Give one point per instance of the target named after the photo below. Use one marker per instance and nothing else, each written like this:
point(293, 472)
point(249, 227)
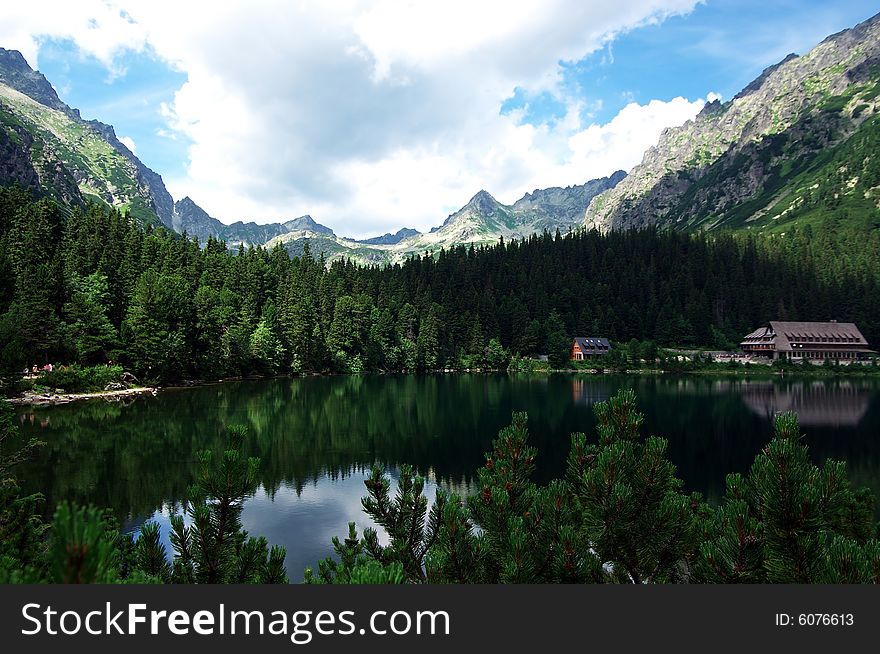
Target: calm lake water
point(318, 437)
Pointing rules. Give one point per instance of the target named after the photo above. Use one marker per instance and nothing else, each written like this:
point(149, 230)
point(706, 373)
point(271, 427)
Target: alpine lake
point(318, 437)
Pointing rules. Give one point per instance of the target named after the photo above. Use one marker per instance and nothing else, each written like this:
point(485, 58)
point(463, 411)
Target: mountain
point(191, 218)
point(758, 161)
point(484, 219)
point(483, 215)
point(17, 74)
point(306, 223)
point(46, 146)
point(391, 239)
point(561, 208)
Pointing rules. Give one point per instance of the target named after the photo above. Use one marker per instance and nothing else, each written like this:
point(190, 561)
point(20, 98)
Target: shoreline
point(29, 398)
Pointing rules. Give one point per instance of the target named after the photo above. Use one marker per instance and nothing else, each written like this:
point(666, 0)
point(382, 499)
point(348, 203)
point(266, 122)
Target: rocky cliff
point(731, 165)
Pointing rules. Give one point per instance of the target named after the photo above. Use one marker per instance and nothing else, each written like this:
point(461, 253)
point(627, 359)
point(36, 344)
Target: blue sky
point(375, 115)
point(722, 45)
point(130, 98)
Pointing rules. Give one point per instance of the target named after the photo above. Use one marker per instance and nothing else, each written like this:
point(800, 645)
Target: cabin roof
point(591, 342)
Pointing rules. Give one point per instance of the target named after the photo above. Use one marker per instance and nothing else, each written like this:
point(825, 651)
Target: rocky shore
point(30, 398)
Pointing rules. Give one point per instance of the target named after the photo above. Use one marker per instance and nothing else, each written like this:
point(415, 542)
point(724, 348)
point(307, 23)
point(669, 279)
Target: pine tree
point(558, 341)
point(21, 524)
point(411, 528)
point(89, 330)
point(631, 507)
point(790, 521)
point(214, 548)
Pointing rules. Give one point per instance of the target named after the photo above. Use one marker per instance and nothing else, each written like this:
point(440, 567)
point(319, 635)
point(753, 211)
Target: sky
point(375, 115)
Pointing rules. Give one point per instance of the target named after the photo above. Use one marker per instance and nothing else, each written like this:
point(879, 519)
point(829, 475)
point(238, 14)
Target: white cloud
point(370, 115)
point(100, 29)
point(128, 142)
point(621, 142)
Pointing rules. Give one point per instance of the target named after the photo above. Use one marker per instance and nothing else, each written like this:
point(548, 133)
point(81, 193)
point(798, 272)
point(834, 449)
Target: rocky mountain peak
point(483, 201)
point(481, 206)
point(391, 239)
point(306, 223)
point(16, 73)
point(186, 202)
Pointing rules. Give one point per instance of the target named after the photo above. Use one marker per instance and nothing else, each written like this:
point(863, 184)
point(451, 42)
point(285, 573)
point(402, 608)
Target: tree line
point(92, 286)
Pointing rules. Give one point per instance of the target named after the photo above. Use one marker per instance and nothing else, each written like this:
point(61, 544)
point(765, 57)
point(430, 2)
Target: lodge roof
point(783, 333)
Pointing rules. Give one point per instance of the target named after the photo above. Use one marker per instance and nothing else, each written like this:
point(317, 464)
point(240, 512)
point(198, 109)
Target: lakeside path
point(36, 399)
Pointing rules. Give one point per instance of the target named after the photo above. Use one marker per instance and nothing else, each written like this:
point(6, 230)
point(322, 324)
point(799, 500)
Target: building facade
point(840, 341)
point(587, 347)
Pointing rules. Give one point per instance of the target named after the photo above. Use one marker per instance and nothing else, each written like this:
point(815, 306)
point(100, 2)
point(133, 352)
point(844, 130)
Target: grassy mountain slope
point(736, 162)
point(842, 183)
point(46, 146)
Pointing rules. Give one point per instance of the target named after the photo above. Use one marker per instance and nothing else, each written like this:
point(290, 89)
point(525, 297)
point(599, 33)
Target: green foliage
point(97, 286)
point(157, 323)
point(629, 499)
point(80, 379)
point(497, 357)
point(266, 348)
point(618, 516)
point(528, 365)
point(84, 544)
point(214, 548)
point(405, 518)
point(21, 526)
point(526, 530)
point(558, 341)
point(354, 566)
point(81, 548)
point(89, 330)
point(790, 521)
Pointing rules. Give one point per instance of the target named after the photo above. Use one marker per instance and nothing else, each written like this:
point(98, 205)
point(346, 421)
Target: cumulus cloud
point(621, 142)
point(372, 115)
point(128, 142)
point(100, 29)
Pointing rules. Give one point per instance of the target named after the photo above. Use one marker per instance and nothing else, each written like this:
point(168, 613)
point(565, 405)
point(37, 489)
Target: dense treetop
point(93, 286)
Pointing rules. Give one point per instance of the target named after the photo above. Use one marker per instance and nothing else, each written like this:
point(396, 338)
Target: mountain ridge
point(708, 172)
point(750, 163)
point(60, 145)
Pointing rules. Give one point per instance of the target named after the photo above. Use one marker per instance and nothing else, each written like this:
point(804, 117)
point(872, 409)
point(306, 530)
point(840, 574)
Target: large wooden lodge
point(840, 341)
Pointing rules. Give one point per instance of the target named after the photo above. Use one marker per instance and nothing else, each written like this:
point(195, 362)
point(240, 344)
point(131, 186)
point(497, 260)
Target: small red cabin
point(587, 347)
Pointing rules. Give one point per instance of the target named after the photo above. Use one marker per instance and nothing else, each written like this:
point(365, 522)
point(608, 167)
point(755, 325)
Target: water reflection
point(318, 437)
point(816, 403)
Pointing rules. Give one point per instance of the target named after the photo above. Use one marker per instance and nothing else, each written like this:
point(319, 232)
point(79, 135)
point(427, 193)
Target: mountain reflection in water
point(318, 437)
